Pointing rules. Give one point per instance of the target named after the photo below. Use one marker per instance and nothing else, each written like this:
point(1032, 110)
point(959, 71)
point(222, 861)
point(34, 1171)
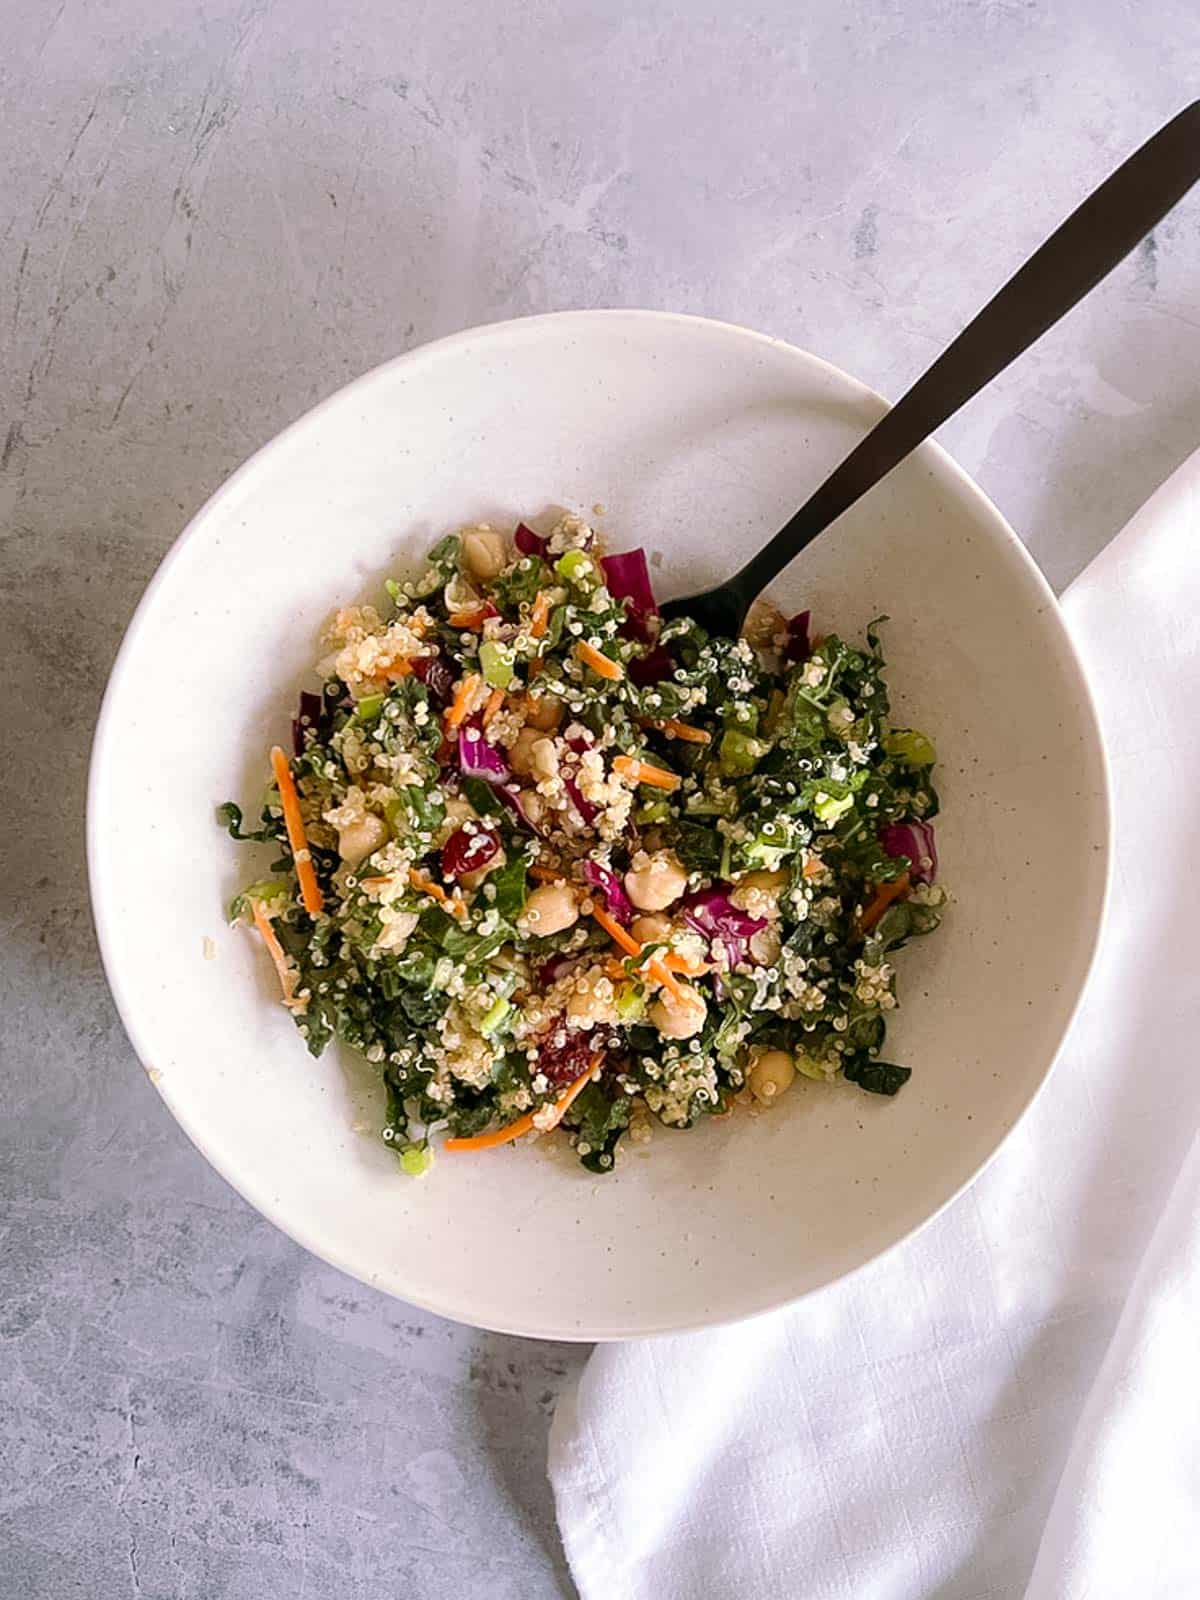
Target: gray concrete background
point(212, 214)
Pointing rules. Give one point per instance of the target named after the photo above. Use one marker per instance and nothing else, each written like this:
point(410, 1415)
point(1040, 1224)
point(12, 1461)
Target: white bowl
point(699, 439)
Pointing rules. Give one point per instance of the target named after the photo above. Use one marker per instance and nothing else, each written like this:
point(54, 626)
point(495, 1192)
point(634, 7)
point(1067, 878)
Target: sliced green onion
point(574, 566)
point(742, 718)
point(495, 662)
point(415, 1159)
point(808, 1067)
point(738, 753)
point(494, 1016)
point(830, 809)
point(653, 811)
point(268, 890)
point(630, 1001)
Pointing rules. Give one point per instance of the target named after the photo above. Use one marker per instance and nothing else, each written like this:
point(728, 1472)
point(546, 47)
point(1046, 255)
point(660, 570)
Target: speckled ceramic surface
point(698, 439)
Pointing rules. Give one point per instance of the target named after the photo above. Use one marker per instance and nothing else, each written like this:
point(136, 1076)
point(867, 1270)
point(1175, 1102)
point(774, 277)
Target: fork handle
point(1083, 250)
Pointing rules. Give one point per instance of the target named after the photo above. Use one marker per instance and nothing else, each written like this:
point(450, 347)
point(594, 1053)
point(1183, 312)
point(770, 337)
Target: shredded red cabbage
point(585, 808)
point(477, 758)
point(798, 647)
point(628, 579)
point(465, 852)
point(510, 793)
point(437, 675)
point(712, 913)
point(915, 840)
point(604, 879)
point(651, 668)
point(530, 543)
point(551, 971)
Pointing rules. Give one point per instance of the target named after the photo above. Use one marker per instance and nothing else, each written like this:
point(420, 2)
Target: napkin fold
point(1008, 1404)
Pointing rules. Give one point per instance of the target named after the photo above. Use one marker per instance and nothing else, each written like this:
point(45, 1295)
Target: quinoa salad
point(551, 863)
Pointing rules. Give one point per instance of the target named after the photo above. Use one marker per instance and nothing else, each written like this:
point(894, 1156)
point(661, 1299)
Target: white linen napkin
point(1009, 1404)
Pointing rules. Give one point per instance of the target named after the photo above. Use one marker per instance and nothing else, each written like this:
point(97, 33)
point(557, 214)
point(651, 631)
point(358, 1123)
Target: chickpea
point(679, 1016)
point(764, 623)
point(361, 839)
point(544, 712)
point(543, 758)
point(520, 755)
point(759, 892)
point(655, 882)
point(533, 806)
point(550, 909)
point(771, 1075)
point(653, 929)
point(484, 552)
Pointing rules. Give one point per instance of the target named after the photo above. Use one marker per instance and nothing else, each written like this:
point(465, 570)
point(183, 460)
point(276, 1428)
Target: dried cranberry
point(466, 852)
point(437, 676)
point(563, 1054)
point(309, 719)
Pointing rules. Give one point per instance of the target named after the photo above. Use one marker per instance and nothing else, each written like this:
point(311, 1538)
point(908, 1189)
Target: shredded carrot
point(400, 668)
point(310, 889)
point(666, 979)
point(603, 666)
point(812, 868)
point(287, 977)
point(682, 730)
point(426, 885)
point(677, 963)
point(463, 696)
point(539, 617)
point(625, 941)
point(619, 935)
point(616, 969)
point(644, 772)
point(525, 1124)
point(884, 894)
point(494, 702)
